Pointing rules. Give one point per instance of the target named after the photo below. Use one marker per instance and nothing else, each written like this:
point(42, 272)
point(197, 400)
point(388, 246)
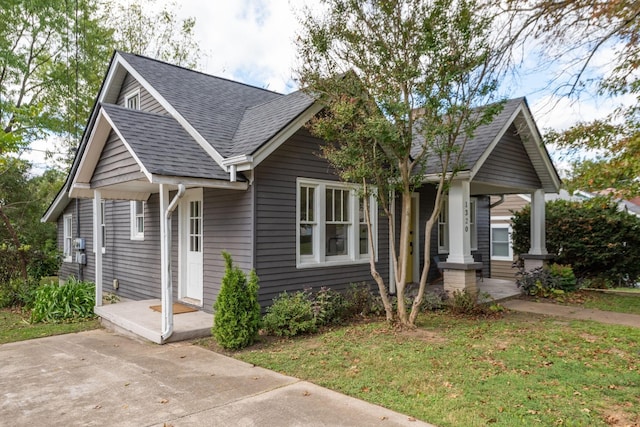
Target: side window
point(137, 219)
point(68, 238)
point(501, 242)
point(443, 228)
point(132, 100)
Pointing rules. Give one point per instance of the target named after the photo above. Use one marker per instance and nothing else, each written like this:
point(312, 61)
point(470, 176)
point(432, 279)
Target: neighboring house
point(502, 209)
point(176, 166)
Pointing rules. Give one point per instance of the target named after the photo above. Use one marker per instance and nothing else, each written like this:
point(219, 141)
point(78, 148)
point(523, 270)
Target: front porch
point(137, 319)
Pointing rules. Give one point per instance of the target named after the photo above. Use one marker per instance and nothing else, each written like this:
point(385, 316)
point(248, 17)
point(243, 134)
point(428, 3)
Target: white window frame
point(443, 225)
point(67, 239)
point(101, 228)
point(497, 257)
point(135, 94)
point(136, 233)
point(318, 258)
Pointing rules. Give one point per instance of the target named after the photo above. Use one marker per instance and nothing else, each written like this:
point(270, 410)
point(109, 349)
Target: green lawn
point(15, 326)
point(606, 301)
point(519, 369)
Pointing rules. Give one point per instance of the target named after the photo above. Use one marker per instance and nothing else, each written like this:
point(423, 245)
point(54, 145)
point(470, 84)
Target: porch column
point(538, 254)
point(459, 223)
point(459, 270)
point(165, 253)
point(97, 245)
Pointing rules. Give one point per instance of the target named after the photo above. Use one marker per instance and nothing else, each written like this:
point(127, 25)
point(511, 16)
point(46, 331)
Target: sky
point(252, 41)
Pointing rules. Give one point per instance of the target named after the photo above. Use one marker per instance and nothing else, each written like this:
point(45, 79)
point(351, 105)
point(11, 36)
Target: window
point(501, 242)
point(137, 219)
point(68, 238)
point(132, 100)
point(332, 228)
point(443, 226)
point(103, 226)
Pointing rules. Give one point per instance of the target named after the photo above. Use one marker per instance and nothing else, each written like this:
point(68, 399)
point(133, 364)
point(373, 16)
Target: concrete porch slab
point(137, 319)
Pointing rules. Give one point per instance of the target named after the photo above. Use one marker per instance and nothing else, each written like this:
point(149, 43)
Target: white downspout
point(167, 288)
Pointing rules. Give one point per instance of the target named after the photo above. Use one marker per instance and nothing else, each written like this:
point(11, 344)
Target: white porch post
point(538, 239)
point(538, 255)
point(460, 269)
point(459, 223)
point(97, 246)
point(165, 253)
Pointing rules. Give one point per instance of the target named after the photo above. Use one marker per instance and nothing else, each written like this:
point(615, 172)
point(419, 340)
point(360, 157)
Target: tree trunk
point(401, 275)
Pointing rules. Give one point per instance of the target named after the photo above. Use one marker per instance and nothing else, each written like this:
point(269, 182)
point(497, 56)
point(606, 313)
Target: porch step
point(135, 318)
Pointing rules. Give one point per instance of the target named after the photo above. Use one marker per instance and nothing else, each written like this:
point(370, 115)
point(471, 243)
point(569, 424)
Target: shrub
point(236, 310)
point(361, 302)
point(290, 315)
point(593, 236)
point(463, 302)
point(72, 300)
point(18, 292)
point(547, 282)
point(433, 301)
point(329, 307)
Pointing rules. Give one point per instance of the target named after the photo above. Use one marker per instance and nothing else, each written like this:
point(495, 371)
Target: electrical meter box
point(81, 258)
point(78, 244)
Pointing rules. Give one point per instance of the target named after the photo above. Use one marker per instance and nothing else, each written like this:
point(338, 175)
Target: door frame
point(183, 224)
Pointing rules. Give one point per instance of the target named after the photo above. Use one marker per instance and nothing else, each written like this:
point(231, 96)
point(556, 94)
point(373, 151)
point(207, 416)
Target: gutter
point(167, 291)
point(236, 164)
point(497, 203)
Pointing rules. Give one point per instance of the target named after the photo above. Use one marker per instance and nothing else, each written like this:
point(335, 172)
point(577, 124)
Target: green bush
point(552, 281)
point(72, 300)
point(594, 237)
point(329, 307)
point(361, 302)
point(236, 310)
point(18, 292)
point(290, 315)
point(463, 302)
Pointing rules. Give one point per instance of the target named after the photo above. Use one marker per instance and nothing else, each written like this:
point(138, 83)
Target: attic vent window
point(132, 100)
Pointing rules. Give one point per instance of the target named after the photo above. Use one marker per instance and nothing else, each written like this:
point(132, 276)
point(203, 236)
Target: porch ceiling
point(483, 188)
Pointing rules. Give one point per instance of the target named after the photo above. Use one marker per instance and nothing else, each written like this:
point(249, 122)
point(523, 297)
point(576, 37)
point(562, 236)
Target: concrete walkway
point(100, 378)
point(569, 312)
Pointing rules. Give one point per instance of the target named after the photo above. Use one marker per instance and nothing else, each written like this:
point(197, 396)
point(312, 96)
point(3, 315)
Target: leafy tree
point(571, 34)
point(28, 247)
point(401, 81)
point(159, 35)
point(237, 311)
point(594, 237)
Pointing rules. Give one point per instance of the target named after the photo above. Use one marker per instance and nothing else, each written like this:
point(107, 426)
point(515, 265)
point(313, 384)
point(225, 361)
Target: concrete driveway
point(98, 378)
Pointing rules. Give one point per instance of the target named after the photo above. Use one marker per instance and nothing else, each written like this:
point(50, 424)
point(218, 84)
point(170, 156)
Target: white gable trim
point(143, 169)
point(120, 61)
point(495, 141)
point(284, 134)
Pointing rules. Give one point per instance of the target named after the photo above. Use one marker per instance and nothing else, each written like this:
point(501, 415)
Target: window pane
point(140, 224)
point(303, 204)
point(310, 204)
point(306, 239)
point(336, 239)
point(364, 240)
point(500, 234)
point(500, 249)
point(329, 208)
point(345, 205)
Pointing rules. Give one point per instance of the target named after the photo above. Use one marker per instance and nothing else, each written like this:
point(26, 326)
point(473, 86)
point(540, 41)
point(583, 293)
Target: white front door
point(191, 246)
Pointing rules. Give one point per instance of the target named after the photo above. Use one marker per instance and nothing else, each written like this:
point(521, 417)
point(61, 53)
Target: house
point(176, 166)
point(502, 209)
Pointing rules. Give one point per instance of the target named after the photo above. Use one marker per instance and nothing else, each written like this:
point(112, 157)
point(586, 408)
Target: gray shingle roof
point(162, 144)
point(476, 146)
point(214, 106)
point(261, 122)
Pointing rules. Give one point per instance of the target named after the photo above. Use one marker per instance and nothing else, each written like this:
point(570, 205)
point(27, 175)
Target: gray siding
point(115, 161)
point(509, 164)
point(275, 235)
point(227, 227)
point(147, 102)
point(136, 264)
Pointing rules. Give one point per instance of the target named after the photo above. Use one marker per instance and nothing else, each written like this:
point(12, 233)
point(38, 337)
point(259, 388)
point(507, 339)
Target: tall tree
point(161, 35)
point(402, 82)
point(570, 36)
point(52, 56)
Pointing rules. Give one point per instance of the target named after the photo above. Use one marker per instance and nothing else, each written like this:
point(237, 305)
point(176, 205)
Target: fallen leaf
point(306, 393)
point(182, 357)
point(586, 410)
point(164, 401)
point(411, 419)
point(383, 418)
point(126, 384)
point(97, 407)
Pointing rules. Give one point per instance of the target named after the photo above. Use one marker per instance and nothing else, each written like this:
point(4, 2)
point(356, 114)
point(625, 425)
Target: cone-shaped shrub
point(236, 310)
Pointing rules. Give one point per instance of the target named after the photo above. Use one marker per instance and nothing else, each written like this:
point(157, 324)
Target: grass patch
point(15, 326)
point(605, 301)
point(520, 369)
